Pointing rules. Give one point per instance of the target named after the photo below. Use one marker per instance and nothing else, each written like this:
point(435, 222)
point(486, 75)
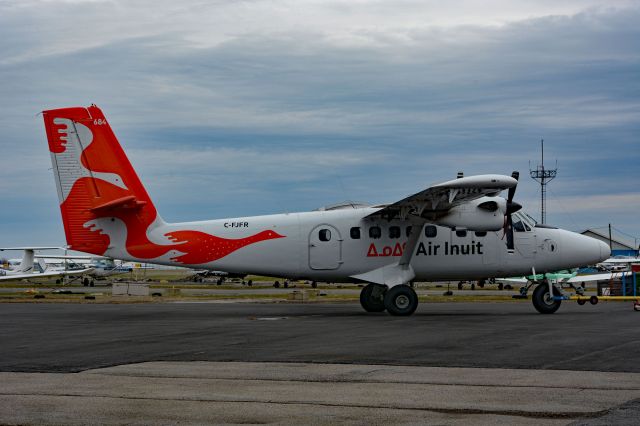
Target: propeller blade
point(512, 191)
point(509, 232)
point(512, 207)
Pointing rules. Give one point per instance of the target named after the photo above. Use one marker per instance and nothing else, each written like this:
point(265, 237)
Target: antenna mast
point(543, 176)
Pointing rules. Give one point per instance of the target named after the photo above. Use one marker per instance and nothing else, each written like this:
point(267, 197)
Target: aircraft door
point(325, 248)
point(524, 238)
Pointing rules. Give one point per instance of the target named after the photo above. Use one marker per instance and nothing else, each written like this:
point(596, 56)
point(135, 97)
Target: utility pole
point(610, 239)
point(543, 176)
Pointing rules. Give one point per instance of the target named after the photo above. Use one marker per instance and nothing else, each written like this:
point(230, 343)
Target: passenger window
point(324, 235)
point(394, 232)
point(355, 233)
point(430, 231)
point(408, 231)
point(461, 233)
point(375, 232)
point(481, 233)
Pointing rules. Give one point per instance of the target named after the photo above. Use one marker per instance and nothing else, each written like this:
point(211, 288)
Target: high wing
point(436, 201)
point(456, 203)
point(45, 274)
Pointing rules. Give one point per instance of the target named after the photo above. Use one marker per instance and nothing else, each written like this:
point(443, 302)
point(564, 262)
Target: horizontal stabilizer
point(124, 203)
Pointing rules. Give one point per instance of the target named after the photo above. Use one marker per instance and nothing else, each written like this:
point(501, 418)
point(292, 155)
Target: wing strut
point(416, 230)
point(400, 272)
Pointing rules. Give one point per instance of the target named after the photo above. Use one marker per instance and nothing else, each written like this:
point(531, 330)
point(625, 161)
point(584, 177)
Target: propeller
point(512, 207)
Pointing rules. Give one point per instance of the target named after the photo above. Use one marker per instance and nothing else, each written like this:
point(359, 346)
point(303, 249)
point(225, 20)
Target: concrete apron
point(241, 392)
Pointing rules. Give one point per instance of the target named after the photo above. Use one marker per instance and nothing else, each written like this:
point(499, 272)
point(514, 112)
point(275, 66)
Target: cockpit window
point(518, 226)
point(523, 222)
point(531, 220)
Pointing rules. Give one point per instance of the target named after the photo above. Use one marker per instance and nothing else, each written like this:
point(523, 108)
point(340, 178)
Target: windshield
point(522, 222)
point(532, 221)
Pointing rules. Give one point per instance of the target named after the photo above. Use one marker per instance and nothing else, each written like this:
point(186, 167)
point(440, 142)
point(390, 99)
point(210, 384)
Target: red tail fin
point(94, 178)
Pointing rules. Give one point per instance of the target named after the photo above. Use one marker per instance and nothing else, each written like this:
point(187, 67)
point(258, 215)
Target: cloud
point(289, 105)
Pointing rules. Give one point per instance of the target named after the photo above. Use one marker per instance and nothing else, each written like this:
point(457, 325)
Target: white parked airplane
point(30, 269)
point(98, 267)
point(448, 231)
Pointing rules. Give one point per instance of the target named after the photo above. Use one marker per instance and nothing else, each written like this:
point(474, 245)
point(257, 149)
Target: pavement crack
point(613, 348)
point(465, 411)
point(373, 382)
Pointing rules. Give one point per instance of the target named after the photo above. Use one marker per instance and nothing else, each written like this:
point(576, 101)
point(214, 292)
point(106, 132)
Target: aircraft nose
point(582, 250)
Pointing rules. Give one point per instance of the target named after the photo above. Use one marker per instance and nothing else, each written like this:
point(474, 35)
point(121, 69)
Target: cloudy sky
point(237, 108)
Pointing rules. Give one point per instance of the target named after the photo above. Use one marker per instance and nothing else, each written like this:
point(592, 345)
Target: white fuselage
point(308, 251)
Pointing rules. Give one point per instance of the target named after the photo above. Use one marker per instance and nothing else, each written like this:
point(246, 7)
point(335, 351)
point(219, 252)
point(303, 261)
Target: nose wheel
point(543, 301)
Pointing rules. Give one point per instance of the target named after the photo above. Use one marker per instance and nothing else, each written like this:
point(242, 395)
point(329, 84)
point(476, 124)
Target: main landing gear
point(372, 297)
point(400, 300)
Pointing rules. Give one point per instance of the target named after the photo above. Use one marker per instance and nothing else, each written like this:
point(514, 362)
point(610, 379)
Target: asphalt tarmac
point(513, 362)
point(75, 337)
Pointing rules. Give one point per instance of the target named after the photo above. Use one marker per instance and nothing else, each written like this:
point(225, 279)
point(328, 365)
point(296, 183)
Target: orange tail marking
point(203, 248)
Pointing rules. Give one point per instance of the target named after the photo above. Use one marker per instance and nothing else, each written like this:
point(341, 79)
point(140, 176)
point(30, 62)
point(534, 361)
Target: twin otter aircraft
point(457, 230)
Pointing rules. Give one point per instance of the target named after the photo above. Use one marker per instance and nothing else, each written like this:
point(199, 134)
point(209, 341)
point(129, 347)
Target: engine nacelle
point(483, 214)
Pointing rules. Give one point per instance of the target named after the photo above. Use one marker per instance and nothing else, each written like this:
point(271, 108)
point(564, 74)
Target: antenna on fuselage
point(543, 176)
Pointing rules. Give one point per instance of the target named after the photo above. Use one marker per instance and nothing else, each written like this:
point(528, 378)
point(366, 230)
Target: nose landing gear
point(543, 301)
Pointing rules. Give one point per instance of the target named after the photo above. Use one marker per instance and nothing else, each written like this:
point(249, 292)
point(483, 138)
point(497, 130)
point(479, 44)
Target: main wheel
point(401, 300)
point(543, 301)
point(372, 298)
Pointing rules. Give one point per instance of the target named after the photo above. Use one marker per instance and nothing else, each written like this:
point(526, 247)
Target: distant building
point(618, 247)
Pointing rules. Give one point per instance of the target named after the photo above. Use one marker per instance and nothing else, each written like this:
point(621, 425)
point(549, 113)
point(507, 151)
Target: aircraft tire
point(369, 302)
point(541, 300)
point(401, 300)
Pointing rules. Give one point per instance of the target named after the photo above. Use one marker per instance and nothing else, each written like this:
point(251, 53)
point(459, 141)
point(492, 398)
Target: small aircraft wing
point(512, 280)
point(563, 278)
point(45, 274)
point(83, 257)
point(624, 261)
point(605, 276)
point(436, 201)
